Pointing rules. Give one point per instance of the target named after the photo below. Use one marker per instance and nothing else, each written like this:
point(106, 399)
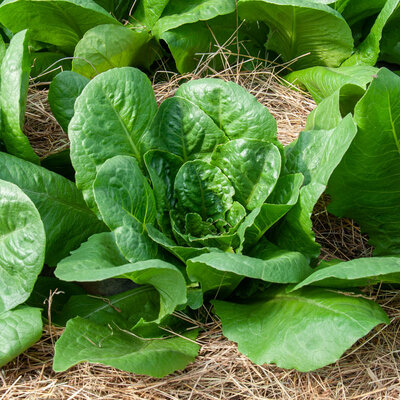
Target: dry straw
point(370, 370)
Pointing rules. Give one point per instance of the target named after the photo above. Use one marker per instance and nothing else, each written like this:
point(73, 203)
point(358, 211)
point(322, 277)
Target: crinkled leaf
point(204, 189)
point(253, 168)
point(315, 154)
point(64, 89)
point(181, 252)
point(126, 203)
point(85, 340)
point(148, 12)
point(358, 272)
point(20, 328)
point(109, 46)
point(366, 185)
point(22, 246)
point(66, 218)
point(162, 168)
point(305, 330)
point(298, 27)
point(15, 70)
point(59, 22)
point(110, 116)
point(183, 129)
point(232, 108)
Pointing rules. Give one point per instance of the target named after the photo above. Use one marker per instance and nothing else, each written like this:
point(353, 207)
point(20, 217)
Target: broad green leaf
point(268, 263)
point(253, 168)
point(58, 22)
point(190, 44)
point(126, 203)
point(99, 252)
point(282, 199)
point(183, 129)
point(64, 89)
point(118, 8)
point(204, 189)
point(84, 340)
point(22, 246)
point(322, 82)
point(365, 186)
point(165, 277)
point(109, 46)
point(15, 70)
point(367, 52)
point(390, 43)
point(124, 309)
point(355, 10)
point(315, 154)
point(299, 27)
point(181, 252)
point(232, 108)
point(358, 272)
point(180, 12)
point(20, 328)
point(148, 12)
point(67, 220)
point(305, 330)
point(162, 168)
point(2, 49)
point(110, 116)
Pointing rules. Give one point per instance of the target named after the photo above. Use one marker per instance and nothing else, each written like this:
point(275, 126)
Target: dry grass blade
point(370, 370)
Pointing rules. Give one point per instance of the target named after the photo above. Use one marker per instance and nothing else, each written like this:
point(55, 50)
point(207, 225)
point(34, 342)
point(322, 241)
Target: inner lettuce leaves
point(202, 202)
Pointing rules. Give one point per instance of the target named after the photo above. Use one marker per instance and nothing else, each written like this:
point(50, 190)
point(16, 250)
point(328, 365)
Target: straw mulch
point(370, 370)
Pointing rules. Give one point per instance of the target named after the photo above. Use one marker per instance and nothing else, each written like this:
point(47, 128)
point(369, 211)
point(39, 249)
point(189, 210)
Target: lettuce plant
point(203, 203)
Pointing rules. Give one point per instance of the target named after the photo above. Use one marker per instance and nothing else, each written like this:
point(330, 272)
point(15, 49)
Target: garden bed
point(370, 370)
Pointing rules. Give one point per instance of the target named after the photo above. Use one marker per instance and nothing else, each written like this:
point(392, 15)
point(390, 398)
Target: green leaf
point(253, 168)
point(204, 189)
point(180, 12)
point(124, 309)
point(58, 22)
point(99, 252)
point(190, 44)
point(110, 116)
point(15, 70)
point(183, 129)
point(298, 27)
point(20, 328)
point(22, 246)
point(181, 252)
point(87, 341)
point(305, 330)
point(126, 203)
point(365, 186)
point(232, 108)
point(282, 199)
point(315, 154)
point(358, 272)
point(109, 46)
point(322, 82)
point(267, 263)
point(355, 10)
point(64, 89)
point(165, 277)
point(67, 220)
point(162, 168)
point(390, 42)
point(367, 52)
point(148, 12)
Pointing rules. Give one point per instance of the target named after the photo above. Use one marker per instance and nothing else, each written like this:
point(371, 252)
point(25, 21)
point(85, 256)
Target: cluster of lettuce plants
point(104, 34)
point(194, 202)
